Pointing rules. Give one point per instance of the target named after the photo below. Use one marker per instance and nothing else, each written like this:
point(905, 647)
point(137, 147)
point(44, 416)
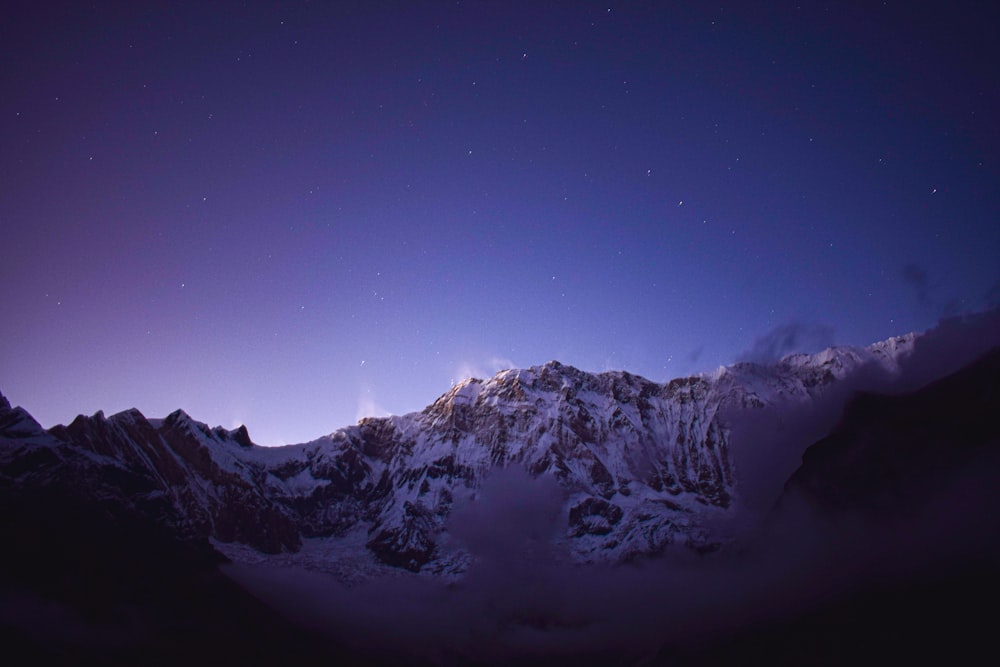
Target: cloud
point(523, 602)
point(696, 353)
point(367, 405)
point(482, 369)
point(916, 277)
point(918, 280)
point(993, 296)
point(767, 445)
point(951, 344)
point(788, 338)
point(513, 519)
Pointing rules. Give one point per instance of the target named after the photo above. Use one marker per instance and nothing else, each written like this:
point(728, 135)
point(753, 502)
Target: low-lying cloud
point(524, 601)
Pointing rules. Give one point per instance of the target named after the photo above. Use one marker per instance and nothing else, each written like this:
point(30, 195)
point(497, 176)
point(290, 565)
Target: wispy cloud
point(481, 368)
point(786, 339)
point(916, 277)
point(993, 296)
point(368, 406)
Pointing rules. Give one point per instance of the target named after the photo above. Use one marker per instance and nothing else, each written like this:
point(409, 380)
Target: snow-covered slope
point(642, 465)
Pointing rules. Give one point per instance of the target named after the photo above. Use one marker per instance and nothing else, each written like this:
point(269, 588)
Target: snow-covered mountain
point(115, 525)
point(642, 465)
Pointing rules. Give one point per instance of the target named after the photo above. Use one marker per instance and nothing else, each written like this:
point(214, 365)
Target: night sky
point(292, 215)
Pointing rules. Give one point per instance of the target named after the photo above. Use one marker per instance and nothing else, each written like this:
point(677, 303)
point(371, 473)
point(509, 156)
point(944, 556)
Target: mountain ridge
point(642, 465)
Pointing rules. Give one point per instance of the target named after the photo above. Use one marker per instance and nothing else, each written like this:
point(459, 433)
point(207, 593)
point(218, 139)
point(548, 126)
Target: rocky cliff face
point(642, 465)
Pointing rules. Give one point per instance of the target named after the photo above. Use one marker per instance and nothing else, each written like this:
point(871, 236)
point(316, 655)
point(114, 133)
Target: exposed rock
point(594, 516)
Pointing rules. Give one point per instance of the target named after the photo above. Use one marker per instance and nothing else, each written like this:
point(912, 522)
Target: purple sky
point(290, 215)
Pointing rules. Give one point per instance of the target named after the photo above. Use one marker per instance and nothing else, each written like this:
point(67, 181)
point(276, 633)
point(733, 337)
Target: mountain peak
point(179, 416)
point(556, 366)
point(240, 435)
point(130, 416)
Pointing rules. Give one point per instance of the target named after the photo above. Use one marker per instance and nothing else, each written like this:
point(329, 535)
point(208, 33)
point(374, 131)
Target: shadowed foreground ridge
point(884, 441)
point(98, 568)
point(903, 495)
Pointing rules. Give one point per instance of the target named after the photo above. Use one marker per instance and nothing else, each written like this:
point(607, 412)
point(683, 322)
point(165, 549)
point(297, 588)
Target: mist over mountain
point(544, 514)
